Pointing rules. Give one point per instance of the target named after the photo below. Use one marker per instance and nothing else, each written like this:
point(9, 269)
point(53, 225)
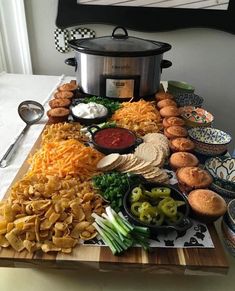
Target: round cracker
point(153, 137)
point(146, 151)
point(164, 148)
point(116, 164)
point(144, 169)
point(160, 158)
point(128, 164)
point(141, 165)
point(156, 173)
point(163, 178)
point(108, 161)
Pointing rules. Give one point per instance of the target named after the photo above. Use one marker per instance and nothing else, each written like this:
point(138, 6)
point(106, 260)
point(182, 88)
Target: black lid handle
point(93, 126)
point(71, 62)
point(120, 36)
point(165, 64)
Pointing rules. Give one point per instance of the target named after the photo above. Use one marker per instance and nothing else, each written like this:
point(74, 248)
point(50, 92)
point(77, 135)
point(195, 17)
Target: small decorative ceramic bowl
point(188, 99)
point(181, 226)
point(230, 215)
point(87, 121)
point(228, 237)
point(113, 139)
point(222, 170)
point(176, 87)
point(226, 194)
point(230, 234)
point(196, 116)
point(209, 141)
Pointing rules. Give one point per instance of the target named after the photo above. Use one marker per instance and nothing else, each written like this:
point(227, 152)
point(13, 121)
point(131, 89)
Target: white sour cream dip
point(89, 110)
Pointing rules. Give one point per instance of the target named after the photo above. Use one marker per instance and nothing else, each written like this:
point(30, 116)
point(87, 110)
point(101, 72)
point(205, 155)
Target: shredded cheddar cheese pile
point(69, 157)
point(141, 117)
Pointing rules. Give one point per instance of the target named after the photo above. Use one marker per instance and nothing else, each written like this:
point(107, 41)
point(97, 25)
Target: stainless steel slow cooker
point(118, 66)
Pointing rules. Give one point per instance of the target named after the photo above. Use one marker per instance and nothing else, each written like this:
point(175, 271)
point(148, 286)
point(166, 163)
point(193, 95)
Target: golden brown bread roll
point(163, 95)
point(68, 87)
point(59, 102)
point(173, 120)
point(166, 102)
point(169, 111)
point(59, 114)
point(175, 131)
point(191, 178)
point(63, 94)
point(181, 144)
point(183, 159)
point(207, 205)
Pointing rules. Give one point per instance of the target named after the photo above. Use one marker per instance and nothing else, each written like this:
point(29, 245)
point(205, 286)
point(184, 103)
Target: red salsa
point(114, 138)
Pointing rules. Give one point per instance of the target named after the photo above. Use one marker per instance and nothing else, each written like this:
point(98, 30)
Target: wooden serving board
point(159, 260)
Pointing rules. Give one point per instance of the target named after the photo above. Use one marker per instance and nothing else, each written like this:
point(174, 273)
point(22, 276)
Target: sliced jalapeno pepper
point(135, 208)
point(147, 208)
point(161, 192)
point(165, 200)
point(179, 203)
point(169, 209)
point(145, 205)
point(136, 193)
point(146, 218)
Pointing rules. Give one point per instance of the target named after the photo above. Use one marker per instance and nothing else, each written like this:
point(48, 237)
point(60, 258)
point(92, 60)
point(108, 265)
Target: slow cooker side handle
point(71, 62)
point(165, 64)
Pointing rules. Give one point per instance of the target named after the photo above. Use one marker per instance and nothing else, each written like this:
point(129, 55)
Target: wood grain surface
point(159, 260)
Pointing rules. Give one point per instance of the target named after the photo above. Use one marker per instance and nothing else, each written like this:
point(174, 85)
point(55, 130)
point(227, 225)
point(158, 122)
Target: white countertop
point(13, 90)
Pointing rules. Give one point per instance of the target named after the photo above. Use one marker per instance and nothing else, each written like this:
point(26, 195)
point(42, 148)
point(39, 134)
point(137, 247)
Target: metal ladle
point(30, 112)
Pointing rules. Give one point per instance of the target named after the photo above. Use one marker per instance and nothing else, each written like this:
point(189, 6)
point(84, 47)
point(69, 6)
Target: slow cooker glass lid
point(119, 44)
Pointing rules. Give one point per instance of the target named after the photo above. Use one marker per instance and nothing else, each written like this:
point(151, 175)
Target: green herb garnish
point(111, 105)
point(112, 187)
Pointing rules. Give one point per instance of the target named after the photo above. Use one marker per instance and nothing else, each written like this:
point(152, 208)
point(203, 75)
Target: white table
point(13, 90)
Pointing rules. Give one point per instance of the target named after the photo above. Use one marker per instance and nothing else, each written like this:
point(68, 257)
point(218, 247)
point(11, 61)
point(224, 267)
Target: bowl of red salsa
point(113, 139)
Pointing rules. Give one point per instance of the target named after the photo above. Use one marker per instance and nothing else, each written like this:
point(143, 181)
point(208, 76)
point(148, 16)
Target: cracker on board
point(160, 158)
point(164, 148)
point(120, 161)
point(146, 151)
point(129, 164)
point(162, 178)
point(154, 137)
point(108, 161)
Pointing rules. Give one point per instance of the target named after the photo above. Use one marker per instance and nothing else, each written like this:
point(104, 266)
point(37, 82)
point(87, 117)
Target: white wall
point(203, 57)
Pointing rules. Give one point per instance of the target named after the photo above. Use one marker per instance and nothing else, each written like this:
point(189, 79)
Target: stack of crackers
point(155, 149)
point(132, 164)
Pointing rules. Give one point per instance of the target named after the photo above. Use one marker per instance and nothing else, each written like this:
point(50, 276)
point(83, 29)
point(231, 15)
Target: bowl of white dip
point(89, 113)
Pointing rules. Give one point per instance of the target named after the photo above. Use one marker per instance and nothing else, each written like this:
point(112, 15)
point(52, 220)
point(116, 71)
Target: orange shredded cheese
point(141, 117)
point(69, 157)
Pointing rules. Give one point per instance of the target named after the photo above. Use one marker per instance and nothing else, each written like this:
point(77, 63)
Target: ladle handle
point(6, 158)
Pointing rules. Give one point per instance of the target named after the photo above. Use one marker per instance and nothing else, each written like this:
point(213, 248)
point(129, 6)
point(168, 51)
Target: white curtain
point(14, 44)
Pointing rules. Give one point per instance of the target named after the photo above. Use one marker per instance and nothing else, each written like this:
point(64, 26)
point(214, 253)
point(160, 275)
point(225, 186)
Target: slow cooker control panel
point(120, 86)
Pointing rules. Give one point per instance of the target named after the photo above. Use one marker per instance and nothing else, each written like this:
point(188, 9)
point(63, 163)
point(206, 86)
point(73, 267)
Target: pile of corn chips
point(63, 131)
point(50, 208)
point(48, 213)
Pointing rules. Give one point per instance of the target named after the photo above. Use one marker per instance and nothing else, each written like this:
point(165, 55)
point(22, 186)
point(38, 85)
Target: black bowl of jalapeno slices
point(161, 208)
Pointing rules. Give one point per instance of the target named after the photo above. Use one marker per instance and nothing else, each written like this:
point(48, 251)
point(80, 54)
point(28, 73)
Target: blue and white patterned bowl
point(228, 236)
point(230, 215)
point(222, 170)
point(188, 99)
point(226, 194)
point(209, 141)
